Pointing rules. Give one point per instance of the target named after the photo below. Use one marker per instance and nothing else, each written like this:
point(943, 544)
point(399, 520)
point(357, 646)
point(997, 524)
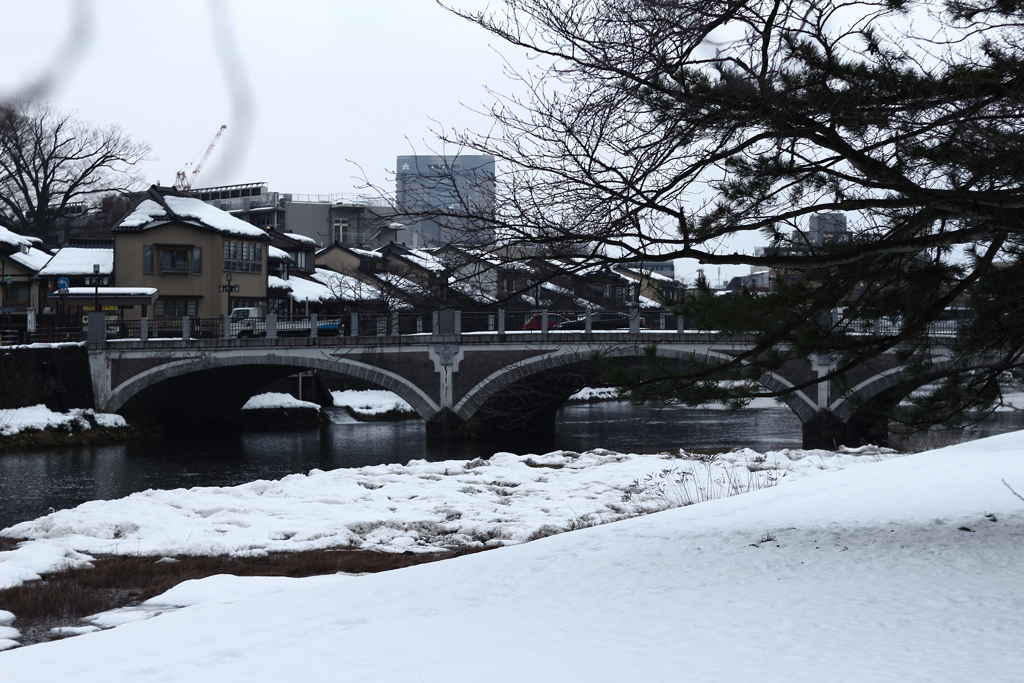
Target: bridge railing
point(388, 324)
point(949, 327)
point(366, 324)
point(49, 335)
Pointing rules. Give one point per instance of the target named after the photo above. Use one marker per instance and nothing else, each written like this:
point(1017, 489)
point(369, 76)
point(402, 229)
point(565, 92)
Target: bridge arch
point(469, 406)
point(238, 381)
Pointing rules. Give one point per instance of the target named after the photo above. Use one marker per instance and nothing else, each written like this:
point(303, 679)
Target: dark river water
point(32, 483)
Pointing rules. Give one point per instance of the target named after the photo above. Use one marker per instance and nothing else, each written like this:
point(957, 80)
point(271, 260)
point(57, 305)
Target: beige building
point(188, 249)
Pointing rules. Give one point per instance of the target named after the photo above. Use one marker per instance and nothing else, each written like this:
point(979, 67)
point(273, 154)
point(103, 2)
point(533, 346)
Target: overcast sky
point(328, 82)
point(316, 93)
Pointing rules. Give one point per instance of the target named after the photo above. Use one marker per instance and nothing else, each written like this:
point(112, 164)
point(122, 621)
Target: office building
point(446, 199)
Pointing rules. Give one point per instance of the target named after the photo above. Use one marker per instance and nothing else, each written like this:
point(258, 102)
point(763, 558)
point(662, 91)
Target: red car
point(535, 322)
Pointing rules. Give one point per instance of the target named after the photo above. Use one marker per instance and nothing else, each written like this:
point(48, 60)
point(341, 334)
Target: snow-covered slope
point(860, 575)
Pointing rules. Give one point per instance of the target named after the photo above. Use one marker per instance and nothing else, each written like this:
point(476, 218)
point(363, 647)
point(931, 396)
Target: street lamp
point(96, 276)
point(7, 295)
point(228, 288)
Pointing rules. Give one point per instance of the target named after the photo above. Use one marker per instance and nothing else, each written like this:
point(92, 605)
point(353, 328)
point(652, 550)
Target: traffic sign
point(63, 283)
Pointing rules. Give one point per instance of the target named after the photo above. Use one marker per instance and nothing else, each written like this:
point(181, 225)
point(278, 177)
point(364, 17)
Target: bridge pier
point(829, 431)
point(825, 430)
point(446, 425)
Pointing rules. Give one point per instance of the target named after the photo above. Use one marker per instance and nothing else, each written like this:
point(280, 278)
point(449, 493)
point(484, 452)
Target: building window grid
point(175, 308)
point(243, 257)
point(175, 260)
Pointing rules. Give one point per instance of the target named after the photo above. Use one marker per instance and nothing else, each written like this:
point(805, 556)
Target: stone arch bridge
point(465, 383)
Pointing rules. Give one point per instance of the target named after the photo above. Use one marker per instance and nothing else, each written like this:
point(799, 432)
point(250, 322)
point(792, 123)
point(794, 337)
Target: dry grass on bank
point(65, 597)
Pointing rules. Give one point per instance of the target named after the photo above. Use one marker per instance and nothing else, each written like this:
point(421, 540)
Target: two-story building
point(20, 262)
point(188, 249)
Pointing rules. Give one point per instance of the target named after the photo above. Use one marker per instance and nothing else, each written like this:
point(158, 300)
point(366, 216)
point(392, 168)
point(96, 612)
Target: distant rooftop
point(261, 189)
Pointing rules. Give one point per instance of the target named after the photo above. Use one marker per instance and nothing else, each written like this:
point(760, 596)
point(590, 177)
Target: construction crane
point(183, 182)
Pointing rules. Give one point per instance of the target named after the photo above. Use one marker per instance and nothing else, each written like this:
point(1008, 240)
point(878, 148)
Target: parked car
point(603, 320)
point(252, 322)
point(535, 321)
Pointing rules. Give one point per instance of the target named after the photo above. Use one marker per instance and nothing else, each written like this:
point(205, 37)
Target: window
point(147, 260)
point(243, 257)
point(175, 308)
point(197, 260)
point(341, 230)
point(16, 296)
point(102, 281)
point(174, 260)
point(300, 260)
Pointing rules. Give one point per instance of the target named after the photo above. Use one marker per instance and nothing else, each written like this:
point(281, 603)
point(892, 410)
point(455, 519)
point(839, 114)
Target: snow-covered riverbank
point(421, 506)
point(905, 570)
point(39, 427)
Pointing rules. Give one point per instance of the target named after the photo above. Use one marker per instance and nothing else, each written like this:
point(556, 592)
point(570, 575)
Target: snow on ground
point(277, 400)
point(1012, 401)
point(611, 394)
point(595, 394)
point(420, 507)
point(42, 345)
point(16, 420)
point(905, 570)
point(371, 401)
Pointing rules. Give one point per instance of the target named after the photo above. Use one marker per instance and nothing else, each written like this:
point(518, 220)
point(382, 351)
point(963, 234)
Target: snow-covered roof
point(659, 276)
point(562, 291)
point(279, 254)
point(301, 289)
point(637, 273)
point(299, 238)
point(403, 284)
point(648, 303)
point(502, 262)
point(365, 253)
point(188, 210)
point(346, 287)
point(79, 261)
point(33, 259)
point(473, 291)
point(15, 240)
point(424, 259)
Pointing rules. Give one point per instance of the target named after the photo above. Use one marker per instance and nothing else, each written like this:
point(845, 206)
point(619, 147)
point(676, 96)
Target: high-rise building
point(446, 199)
point(825, 228)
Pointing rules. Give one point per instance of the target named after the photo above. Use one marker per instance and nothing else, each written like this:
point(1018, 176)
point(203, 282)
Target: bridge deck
point(474, 338)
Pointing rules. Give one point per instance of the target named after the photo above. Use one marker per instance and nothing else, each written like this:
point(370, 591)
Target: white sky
point(335, 86)
point(330, 82)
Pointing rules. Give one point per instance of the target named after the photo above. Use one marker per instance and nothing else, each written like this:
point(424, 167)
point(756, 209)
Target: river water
point(32, 483)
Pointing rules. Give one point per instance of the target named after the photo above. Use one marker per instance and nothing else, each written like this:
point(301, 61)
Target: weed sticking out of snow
point(705, 477)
